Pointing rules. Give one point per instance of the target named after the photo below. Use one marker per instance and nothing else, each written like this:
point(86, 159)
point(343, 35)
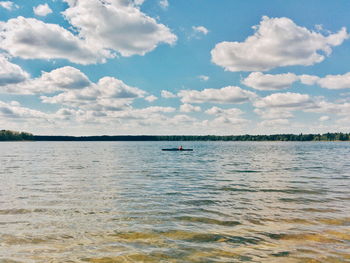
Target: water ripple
point(130, 202)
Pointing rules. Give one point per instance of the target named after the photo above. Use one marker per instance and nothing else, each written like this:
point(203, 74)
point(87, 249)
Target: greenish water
point(131, 202)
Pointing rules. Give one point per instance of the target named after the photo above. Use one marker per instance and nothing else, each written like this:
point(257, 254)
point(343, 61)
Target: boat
point(177, 149)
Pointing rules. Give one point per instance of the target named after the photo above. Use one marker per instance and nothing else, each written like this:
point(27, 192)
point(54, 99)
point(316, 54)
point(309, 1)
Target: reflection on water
point(131, 202)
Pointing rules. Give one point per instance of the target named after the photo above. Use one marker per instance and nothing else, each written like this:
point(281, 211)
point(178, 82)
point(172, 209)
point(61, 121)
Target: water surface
point(131, 202)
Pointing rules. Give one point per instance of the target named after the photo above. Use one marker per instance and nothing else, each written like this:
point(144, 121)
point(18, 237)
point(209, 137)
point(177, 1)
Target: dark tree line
point(6, 135)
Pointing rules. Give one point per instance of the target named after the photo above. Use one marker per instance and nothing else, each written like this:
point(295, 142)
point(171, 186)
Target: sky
point(224, 67)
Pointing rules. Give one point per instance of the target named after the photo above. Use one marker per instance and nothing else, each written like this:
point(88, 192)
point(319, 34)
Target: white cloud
point(102, 27)
point(14, 110)
point(64, 78)
point(233, 112)
point(181, 119)
point(274, 113)
point(200, 29)
point(276, 42)
point(151, 98)
point(230, 94)
point(42, 10)
point(117, 25)
point(164, 4)
point(30, 38)
point(8, 5)
point(308, 79)
point(203, 77)
point(326, 107)
point(222, 120)
point(145, 113)
point(281, 106)
point(189, 108)
point(324, 118)
point(328, 82)
point(138, 2)
point(335, 81)
point(285, 100)
point(11, 73)
point(114, 88)
point(260, 81)
point(167, 94)
point(226, 116)
point(109, 94)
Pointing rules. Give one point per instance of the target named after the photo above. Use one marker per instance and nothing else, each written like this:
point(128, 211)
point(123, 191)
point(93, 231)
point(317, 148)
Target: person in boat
point(180, 148)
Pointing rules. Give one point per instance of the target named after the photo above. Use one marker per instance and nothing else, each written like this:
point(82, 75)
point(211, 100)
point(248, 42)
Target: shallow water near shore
point(131, 202)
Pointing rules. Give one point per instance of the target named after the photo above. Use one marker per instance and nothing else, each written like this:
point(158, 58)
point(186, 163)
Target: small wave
point(244, 171)
point(201, 202)
point(232, 189)
point(303, 200)
point(335, 221)
point(304, 237)
point(320, 210)
point(206, 220)
point(19, 211)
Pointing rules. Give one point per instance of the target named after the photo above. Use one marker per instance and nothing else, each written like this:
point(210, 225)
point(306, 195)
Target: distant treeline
point(6, 135)
point(15, 136)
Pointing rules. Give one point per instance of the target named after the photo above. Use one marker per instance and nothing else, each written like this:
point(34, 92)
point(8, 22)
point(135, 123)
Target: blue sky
point(94, 67)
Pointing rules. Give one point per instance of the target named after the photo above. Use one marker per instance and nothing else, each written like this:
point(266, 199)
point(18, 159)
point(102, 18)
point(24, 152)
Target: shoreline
point(6, 135)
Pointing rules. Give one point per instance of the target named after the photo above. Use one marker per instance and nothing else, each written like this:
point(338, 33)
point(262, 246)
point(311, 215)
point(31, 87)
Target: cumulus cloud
point(189, 108)
point(276, 42)
point(30, 38)
point(200, 29)
point(260, 81)
point(328, 82)
point(167, 94)
point(11, 73)
point(64, 78)
point(14, 110)
point(102, 28)
point(59, 79)
point(151, 98)
point(42, 10)
point(324, 118)
point(325, 107)
point(285, 100)
point(335, 81)
point(308, 79)
point(109, 94)
point(233, 112)
point(203, 77)
point(230, 94)
point(226, 116)
point(164, 4)
point(117, 25)
point(181, 119)
point(145, 113)
point(8, 5)
point(274, 113)
point(138, 2)
point(114, 88)
point(222, 120)
point(280, 106)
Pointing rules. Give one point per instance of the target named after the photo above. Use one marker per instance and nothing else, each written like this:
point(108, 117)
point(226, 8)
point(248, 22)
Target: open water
point(131, 202)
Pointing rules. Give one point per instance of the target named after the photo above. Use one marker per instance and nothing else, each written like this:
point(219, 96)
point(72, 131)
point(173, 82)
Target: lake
point(131, 202)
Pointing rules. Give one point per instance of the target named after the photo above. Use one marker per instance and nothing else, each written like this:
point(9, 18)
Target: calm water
point(131, 202)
